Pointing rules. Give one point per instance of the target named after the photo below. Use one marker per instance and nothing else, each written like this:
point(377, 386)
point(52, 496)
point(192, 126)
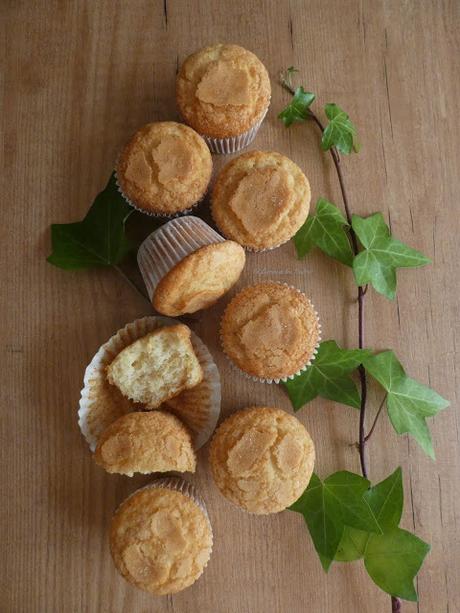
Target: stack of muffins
point(152, 392)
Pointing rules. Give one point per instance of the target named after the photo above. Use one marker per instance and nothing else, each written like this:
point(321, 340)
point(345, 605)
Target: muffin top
point(200, 279)
point(146, 442)
point(260, 199)
point(262, 459)
point(222, 90)
point(165, 168)
point(156, 367)
point(160, 540)
point(270, 330)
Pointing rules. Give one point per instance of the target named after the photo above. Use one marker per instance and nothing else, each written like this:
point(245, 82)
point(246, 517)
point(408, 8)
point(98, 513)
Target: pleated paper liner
point(287, 377)
point(169, 245)
point(101, 403)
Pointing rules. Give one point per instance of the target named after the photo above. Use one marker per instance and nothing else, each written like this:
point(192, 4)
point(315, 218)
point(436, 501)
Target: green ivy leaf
point(340, 132)
point(393, 559)
point(99, 239)
point(329, 506)
point(326, 230)
point(382, 255)
point(352, 545)
point(328, 376)
point(409, 403)
point(297, 109)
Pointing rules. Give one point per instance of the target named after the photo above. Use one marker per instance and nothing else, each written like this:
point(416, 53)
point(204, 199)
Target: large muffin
point(262, 459)
point(260, 199)
point(270, 331)
point(165, 168)
point(223, 90)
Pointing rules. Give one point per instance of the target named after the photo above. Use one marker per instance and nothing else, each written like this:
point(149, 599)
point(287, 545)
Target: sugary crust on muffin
point(165, 168)
point(157, 366)
point(200, 279)
point(222, 90)
point(260, 199)
point(160, 540)
point(262, 459)
point(146, 442)
point(270, 330)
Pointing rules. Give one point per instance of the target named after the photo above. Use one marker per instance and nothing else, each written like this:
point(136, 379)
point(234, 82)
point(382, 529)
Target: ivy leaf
point(330, 505)
point(340, 132)
point(99, 239)
point(326, 230)
point(297, 109)
point(382, 255)
point(409, 402)
point(328, 376)
point(393, 559)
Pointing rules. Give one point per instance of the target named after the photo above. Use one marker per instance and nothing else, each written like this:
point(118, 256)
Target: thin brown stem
point(134, 285)
point(369, 434)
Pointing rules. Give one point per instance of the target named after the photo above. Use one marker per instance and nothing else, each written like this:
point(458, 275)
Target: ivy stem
point(131, 283)
point(369, 434)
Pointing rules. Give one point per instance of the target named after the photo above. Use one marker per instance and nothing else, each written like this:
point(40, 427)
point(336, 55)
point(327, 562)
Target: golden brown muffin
point(160, 539)
point(270, 331)
point(223, 90)
point(165, 168)
point(260, 199)
point(200, 279)
point(262, 459)
point(157, 366)
point(146, 442)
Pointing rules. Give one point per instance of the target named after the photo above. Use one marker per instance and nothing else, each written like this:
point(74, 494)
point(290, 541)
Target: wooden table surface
point(79, 78)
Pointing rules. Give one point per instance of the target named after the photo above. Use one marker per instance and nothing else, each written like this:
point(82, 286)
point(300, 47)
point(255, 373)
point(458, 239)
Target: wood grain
point(78, 78)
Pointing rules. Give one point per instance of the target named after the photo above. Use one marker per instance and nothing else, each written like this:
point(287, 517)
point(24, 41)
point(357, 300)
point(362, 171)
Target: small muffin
point(146, 442)
point(187, 266)
point(260, 200)
point(161, 538)
point(164, 169)
point(270, 331)
point(223, 92)
point(156, 367)
point(262, 459)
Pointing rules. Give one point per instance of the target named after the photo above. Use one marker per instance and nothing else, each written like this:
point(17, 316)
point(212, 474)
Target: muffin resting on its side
point(165, 168)
point(160, 539)
point(146, 442)
point(260, 199)
point(156, 367)
point(270, 331)
point(223, 90)
point(262, 459)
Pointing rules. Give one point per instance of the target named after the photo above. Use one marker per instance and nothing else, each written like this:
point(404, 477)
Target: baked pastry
point(164, 169)
point(146, 442)
point(156, 367)
point(270, 331)
point(260, 200)
point(187, 266)
point(161, 537)
point(223, 92)
point(262, 459)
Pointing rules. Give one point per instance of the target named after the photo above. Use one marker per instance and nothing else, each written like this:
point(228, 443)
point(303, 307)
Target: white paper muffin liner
point(169, 245)
point(289, 377)
point(201, 404)
point(233, 144)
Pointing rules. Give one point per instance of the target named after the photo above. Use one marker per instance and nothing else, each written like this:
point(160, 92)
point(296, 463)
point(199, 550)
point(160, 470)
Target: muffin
point(101, 403)
point(260, 200)
point(223, 92)
point(187, 266)
point(270, 331)
point(146, 442)
point(262, 459)
point(164, 169)
point(161, 537)
point(156, 367)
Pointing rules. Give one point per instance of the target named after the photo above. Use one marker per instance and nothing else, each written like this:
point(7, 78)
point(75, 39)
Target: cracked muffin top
point(165, 168)
point(262, 459)
point(223, 90)
point(270, 330)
